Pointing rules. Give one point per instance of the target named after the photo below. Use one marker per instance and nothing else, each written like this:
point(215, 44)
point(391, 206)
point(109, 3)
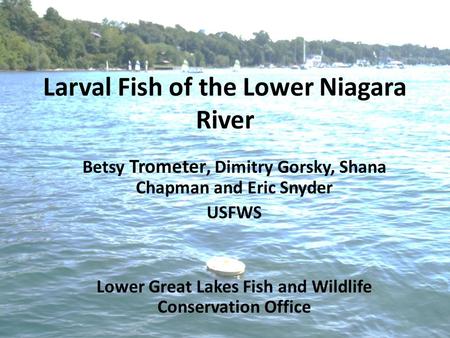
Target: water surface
point(61, 231)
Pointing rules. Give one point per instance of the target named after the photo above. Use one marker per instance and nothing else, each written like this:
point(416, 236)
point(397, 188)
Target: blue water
point(61, 231)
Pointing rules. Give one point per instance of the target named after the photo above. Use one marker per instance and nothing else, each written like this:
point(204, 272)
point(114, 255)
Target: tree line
point(30, 42)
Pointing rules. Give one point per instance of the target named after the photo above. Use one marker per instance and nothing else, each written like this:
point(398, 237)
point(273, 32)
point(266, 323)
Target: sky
point(388, 22)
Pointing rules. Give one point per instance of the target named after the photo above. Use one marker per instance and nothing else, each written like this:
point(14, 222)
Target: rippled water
point(61, 231)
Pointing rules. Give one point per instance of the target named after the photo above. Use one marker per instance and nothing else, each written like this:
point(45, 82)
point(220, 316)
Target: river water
point(62, 230)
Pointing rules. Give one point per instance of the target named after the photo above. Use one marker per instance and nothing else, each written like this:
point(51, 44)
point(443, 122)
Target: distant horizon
point(416, 27)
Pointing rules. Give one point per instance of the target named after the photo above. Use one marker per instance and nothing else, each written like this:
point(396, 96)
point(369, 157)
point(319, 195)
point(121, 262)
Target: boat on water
point(392, 64)
point(395, 64)
point(362, 62)
point(164, 65)
point(195, 70)
point(313, 62)
point(269, 66)
point(340, 65)
point(237, 66)
point(137, 66)
point(185, 66)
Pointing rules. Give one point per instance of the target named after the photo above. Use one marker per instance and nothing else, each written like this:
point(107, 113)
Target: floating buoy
point(225, 266)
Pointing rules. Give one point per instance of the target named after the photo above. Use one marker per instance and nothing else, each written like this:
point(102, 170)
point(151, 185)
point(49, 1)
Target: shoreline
point(82, 70)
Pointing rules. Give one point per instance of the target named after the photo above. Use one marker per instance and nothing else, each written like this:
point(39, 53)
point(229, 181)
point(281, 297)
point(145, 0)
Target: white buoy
point(225, 266)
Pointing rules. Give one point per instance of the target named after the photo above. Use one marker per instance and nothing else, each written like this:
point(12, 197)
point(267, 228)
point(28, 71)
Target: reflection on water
point(61, 231)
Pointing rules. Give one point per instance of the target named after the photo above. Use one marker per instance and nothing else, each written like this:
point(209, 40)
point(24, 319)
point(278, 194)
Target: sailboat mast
point(304, 51)
point(295, 52)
